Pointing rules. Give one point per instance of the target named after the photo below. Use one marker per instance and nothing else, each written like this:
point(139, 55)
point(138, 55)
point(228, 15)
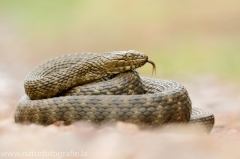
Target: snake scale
point(105, 88)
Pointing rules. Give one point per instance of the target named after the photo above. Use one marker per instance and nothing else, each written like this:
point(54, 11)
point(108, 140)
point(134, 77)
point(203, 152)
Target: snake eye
point(129, 56)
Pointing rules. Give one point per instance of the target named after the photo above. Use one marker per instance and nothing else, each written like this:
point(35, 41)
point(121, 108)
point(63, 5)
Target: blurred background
point(195, 42)
point(184, 38)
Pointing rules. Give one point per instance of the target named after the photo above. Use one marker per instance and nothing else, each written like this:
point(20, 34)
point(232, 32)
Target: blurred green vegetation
point(183, 38)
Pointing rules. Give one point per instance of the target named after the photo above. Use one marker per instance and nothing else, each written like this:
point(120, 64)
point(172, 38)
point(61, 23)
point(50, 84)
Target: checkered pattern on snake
point(104, 88)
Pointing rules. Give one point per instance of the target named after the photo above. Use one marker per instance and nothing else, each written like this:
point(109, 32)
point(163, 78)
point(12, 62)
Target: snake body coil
point(104, 88)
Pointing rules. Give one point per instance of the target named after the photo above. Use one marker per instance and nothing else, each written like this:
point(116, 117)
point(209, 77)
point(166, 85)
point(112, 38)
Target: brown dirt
point(126, 140)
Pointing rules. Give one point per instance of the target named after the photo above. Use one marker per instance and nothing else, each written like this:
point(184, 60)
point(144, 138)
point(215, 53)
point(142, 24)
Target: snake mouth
point(154, 66)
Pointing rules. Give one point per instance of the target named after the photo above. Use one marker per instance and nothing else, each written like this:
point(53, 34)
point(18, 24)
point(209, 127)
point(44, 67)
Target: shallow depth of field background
point(193, 42)
point(184, 38)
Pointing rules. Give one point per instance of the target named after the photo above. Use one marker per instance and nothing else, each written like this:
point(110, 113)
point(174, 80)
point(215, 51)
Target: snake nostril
point(141, 56)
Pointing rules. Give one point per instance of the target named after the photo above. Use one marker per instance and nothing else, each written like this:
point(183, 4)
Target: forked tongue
point(154, 66)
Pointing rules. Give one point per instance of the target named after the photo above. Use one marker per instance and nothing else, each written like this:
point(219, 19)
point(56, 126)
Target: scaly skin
point(54, 93)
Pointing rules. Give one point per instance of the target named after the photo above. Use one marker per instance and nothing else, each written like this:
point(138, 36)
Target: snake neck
point(56, 82)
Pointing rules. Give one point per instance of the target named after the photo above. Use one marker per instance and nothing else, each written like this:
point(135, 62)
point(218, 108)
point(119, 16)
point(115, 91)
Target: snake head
point(122, 61)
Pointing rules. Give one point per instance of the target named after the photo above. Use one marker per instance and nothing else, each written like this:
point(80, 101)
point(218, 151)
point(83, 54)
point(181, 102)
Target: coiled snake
point(104, 88)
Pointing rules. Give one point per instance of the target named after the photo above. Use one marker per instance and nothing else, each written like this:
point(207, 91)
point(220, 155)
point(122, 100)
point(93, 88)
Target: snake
point(104, 89)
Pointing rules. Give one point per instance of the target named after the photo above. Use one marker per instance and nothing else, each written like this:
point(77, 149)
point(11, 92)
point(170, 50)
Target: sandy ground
point(126, 140)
